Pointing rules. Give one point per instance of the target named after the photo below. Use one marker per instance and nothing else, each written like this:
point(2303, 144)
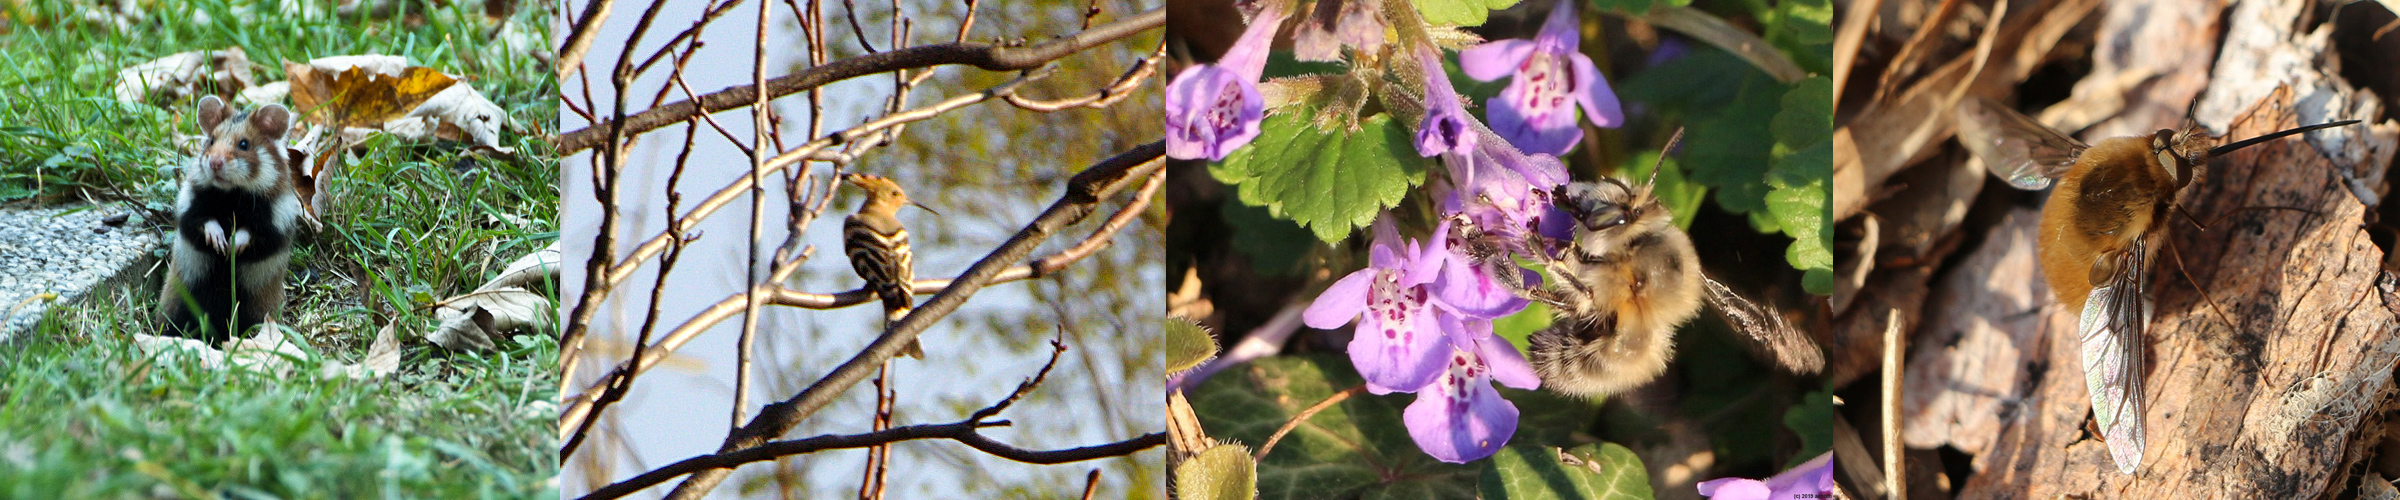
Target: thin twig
point(589, 401)
point(1894, 448)
point(1083, 196)
point(1303, 417)
point(981, 55)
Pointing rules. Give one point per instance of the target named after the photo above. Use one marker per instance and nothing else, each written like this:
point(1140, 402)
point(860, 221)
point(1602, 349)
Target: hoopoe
point(878, 249)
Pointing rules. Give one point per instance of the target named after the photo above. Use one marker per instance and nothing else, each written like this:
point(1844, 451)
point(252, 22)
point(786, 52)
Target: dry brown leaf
point(458, 113)
point(172, 78)
point(383, 358)
point(356, 97)
point(505, 303)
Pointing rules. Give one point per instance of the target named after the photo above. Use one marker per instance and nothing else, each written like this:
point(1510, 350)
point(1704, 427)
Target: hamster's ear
point(272, 120)
point(212, 113)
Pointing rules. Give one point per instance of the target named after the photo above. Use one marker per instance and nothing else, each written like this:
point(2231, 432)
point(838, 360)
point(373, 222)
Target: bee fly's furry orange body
point(2098, 232)
point(2101, 211)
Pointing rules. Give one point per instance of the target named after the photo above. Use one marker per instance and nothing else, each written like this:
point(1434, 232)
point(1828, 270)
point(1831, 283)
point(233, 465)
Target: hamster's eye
point(243, 145)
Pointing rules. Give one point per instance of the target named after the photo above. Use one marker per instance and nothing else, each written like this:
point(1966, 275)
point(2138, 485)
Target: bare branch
point(1083, 196)
point(963, 432)
point(583, 407)
point(579, 38)
point(1116, 91)
point(980, 55)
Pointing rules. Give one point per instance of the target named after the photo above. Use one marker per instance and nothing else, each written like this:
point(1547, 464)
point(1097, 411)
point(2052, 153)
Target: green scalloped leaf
point(1460, 12)
point(1635, 7)
point(1803, 31)
point(1355, 449)
point(1223, 472)
point(1331, 183)
point(1800, 203)
point(1597, 471)
point(1276, 247)
point(1812, 420)
point(1187, 345)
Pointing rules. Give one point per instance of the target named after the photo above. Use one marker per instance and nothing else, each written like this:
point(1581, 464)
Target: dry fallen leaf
point(363, 95)
point(383, 358)
point(172, 78)
point(268, 352)
point(505, 303)
point(356, 97)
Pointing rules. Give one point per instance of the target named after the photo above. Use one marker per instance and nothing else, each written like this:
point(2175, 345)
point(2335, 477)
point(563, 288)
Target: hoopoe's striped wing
point(879, 252)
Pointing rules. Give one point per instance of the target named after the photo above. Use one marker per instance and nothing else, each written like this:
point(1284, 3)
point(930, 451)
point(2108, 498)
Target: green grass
point(84, 415)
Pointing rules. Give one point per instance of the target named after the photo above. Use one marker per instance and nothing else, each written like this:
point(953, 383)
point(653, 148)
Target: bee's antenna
point(1661, 164)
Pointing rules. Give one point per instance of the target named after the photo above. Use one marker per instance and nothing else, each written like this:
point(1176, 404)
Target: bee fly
point(1620, 287)
point(2098, 231)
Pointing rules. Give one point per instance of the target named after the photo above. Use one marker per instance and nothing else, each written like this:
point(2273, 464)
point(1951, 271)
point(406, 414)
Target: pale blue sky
point(681, 409)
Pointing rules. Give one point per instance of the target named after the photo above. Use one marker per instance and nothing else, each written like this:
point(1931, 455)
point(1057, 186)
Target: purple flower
point(1506, 195)
point(1445, 128)
point(1533, 111)
point(1357, 23)
point(1398, 343)
point(1215, 108)
point(1504, 192)
point(1814, 477)
point(1460, 417)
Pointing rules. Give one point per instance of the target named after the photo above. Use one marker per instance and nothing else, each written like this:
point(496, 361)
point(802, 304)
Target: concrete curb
point(69, 250)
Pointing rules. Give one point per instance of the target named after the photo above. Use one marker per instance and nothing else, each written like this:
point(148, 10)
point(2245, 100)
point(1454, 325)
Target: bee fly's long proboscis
point(2099, 230)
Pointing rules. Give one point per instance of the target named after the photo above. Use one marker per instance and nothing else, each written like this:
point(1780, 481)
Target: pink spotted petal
point(1558, 31)
point(1734, 488)
point(1813, 476)
point(1341, 302)
point(1468, 290)
point(1248, 57)
point(1398, 355)
point(1592, 91)
point(1211, 111)
point(1457, 429)
point(1495, 59)
point(1508, 366)
point(1551, 133)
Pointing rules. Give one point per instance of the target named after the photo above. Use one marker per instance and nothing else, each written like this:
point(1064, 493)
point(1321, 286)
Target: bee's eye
point(243, 145)
point(1607, 216)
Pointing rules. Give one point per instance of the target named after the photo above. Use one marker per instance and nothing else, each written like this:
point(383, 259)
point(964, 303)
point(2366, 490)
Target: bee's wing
point(2111, 330)
point(1790, 347)
point(2013, 147)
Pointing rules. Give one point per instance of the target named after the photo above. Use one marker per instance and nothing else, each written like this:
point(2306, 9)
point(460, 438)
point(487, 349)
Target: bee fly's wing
point(2013, 147)
point(2111, 330)
point(1791, 348)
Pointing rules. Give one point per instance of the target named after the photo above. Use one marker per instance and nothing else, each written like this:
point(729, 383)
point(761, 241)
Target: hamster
point(235, 216)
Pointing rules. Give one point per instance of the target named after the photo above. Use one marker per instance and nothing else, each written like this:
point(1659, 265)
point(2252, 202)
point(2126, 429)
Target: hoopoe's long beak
point(928, 209)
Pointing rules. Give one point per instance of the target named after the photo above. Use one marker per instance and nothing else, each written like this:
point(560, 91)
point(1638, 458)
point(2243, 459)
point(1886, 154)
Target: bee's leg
point(1508, 275)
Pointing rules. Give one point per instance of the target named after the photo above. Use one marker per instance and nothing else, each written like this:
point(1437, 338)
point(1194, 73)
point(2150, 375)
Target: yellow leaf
point(360, 98)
